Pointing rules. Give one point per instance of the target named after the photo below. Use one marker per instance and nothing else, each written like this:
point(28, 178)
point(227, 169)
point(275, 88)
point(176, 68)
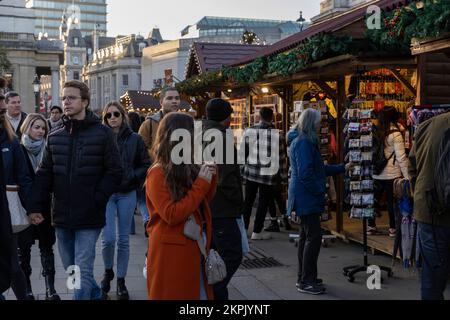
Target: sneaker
point(274, 227)
point(392, 232)
point(311, 289)
point(372, 231)
point(319, 282)
point(261, 236)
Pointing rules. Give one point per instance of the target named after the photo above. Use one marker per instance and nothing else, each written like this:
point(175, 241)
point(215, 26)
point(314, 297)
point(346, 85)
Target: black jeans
point(227, 241)
point(264, 200)
point(45, 233)
point(18, 281)
point(309, 245)
point(388, 187)
point(279, 200)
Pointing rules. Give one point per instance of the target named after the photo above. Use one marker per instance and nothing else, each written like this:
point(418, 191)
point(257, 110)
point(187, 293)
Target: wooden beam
point(325, 87)
point(404, 82)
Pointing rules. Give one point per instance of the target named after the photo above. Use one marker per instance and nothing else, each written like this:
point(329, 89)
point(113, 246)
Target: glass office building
point(91, 15)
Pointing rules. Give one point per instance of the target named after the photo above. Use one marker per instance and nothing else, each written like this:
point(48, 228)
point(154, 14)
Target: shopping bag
point(19, 217)
point(245, 245)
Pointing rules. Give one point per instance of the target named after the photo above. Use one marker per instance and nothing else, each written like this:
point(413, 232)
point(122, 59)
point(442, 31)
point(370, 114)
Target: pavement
point(274, 283)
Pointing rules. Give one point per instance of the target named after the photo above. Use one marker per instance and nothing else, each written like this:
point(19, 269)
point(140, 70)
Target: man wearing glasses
point(81, 167)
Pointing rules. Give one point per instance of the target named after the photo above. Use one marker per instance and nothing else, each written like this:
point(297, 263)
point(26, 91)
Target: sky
point(171, 16)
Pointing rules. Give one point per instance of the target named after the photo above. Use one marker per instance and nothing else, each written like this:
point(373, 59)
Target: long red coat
point(173, 260)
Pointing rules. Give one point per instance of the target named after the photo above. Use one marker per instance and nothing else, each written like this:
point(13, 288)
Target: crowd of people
point(79, 177)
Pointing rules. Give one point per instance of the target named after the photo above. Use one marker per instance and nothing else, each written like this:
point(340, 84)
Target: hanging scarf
point(35, 150)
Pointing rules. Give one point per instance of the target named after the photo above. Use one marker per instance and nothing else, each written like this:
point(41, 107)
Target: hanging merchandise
point(359, 142)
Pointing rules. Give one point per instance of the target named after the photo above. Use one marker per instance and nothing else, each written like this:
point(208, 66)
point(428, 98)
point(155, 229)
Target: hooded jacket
point(81, 166)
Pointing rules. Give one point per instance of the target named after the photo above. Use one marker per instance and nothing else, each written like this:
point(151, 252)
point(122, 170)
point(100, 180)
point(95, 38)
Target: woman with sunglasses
point(135, 162)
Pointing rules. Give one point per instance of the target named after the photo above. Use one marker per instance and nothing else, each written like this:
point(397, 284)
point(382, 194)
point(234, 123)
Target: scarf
point(55, 124)
point(35, 150)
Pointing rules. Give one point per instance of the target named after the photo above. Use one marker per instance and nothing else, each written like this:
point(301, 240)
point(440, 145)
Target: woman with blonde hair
point(174, 192)
point(34, 134)
point(135, 162)
point(306, 198)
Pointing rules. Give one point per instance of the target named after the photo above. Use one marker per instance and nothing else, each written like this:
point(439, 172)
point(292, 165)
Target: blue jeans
point(435, 250)
point(142, 204)
point(121, 205)
point(77, 248)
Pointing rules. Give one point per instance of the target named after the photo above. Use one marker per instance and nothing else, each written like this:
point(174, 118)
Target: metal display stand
point(352, 270)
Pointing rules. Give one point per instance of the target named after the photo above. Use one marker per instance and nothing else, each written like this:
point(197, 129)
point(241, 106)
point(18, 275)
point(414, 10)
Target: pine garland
point(399, 27)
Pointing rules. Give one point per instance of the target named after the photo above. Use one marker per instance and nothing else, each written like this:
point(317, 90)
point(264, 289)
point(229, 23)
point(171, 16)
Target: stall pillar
point(340, 147)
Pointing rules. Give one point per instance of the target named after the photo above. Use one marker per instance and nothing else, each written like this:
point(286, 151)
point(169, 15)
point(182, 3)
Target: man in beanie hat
point(226, 206)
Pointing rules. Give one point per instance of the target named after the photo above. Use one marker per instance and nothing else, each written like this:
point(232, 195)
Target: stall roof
point(145, 100)
point(434, 45)
point(330, 25)
point(204, 57)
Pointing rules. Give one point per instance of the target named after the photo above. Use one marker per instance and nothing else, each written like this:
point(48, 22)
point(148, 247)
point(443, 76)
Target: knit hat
point(218, 110)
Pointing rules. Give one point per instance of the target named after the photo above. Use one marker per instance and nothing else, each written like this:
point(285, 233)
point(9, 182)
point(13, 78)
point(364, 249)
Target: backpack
point(379, 159)
point(441, 190)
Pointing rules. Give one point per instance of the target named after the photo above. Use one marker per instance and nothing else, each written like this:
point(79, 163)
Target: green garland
point(399, 27)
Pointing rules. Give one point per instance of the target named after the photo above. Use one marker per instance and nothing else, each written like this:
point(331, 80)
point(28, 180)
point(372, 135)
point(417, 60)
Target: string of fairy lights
point(127, 102)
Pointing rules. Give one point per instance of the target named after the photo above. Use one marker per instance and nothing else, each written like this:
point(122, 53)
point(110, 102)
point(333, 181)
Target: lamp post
point(301, 20)
point(45, 104)
point(36, 89)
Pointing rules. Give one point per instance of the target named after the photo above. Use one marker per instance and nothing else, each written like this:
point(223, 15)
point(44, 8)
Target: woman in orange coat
point(175, 266)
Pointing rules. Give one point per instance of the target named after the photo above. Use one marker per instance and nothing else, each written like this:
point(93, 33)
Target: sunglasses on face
point(116, 114)
point(2, 111)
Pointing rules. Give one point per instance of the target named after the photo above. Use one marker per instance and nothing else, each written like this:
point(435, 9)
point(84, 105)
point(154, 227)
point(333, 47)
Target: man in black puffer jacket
point(82, 168)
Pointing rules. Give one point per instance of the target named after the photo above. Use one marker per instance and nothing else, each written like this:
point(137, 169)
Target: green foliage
point(400, 26)
point(195, 84)
point(4, 62)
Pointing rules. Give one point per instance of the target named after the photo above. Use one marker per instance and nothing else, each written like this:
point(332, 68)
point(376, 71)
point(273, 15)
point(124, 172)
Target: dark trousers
point(18, 281)
point(227, 241)
point(45, 233)
point(435, 249)
point(279, 200)
point(309, 245)
point(388, 187)
point(264, 200)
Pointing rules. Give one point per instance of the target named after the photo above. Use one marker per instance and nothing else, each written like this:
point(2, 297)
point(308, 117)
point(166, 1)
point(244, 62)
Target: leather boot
point(30, 295)
point(50, 292)
point(108, 276)
point(122, 292)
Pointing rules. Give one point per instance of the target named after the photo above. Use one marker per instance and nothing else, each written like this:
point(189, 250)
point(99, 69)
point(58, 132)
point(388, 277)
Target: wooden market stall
point(311, 61)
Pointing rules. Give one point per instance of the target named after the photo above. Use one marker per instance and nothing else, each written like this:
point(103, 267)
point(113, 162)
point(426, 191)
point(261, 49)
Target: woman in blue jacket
point(306, 198)
point(15, 173)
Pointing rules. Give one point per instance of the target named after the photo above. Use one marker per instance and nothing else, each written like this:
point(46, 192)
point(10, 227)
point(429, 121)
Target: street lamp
point(45, 104)
point(36, 89)
point(301, 20)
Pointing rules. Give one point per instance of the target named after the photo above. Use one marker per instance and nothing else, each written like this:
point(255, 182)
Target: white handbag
point(19, 217)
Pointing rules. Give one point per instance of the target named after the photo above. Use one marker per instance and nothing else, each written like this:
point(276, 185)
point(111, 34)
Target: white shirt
point(14, 121)
point(395, 144)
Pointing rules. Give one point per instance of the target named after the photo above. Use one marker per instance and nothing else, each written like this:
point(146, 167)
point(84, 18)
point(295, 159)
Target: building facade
point(28, 57)
point(166, 62)
point(113, 70)
point(331, 8)
point(90, 14)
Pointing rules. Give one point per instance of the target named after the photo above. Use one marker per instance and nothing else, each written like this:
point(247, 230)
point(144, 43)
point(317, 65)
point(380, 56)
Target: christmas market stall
point(349, 72)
